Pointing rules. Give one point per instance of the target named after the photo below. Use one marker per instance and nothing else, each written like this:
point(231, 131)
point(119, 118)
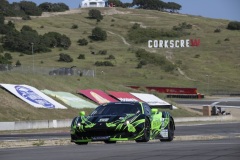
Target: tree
point(156, 5)
point(18, 63)
point(173, 6)
point(65, 58)
point(55, 39)
point(53, 7)
point(98, 34)
point(30, 8)
point(8, 56)
point(116, 3)
point(4, 60)
point(233, 25)
point(149, 4)
point(1, 49)
point(95, 14)
point(2, 19)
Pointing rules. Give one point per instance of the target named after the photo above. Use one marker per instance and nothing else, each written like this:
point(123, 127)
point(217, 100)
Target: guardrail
point(67, 71)
point(41, 124)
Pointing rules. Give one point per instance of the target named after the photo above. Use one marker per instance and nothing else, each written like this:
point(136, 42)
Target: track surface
point(194, 150)
point(222, 101)
point(226, 129)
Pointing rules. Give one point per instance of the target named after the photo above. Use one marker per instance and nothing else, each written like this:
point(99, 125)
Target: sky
point(220, 9)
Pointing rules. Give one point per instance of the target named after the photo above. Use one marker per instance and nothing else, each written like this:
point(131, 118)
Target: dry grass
point(220, 61)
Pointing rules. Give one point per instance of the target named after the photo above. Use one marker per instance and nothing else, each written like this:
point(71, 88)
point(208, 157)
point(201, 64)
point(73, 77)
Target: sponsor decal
point(124, 96)
point(173, 43)
point(30, 95)
point(70, 99)
point(151, 99)
point(100, 138)
point(103, 120)
point(99, 99)
point(97, 96)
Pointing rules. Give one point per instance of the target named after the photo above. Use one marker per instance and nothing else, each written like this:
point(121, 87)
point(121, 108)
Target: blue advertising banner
point(33, 96)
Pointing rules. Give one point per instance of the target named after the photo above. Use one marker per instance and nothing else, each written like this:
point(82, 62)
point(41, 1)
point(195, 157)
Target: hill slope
point(213, 67)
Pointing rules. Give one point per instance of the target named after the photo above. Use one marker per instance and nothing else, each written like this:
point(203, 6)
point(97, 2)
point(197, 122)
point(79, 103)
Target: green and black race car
point(122, 121)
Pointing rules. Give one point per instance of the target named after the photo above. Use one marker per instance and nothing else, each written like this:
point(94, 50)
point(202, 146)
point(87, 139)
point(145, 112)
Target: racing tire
point(81, 143)
point(170, 133)
point(146, 135)
point(110, 142)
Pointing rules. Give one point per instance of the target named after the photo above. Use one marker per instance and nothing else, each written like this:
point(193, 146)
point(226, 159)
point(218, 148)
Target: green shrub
point(226, 39)
point(98, 34)
point(104, 63)
point(8, 56)
point(18, 63)
point(136, 26)
point(26, 17)
point(111, 57)
point(95, 14)
point(218, 42)
point(150, 58)
point(81, 56)
point(74, 26)
point(197, 56)
point(139, 66)
point(65, 58)
point(1, 49)
point(102, 52)
point(218, 30)
point(142, 35)
point(233, 25)
point(82, 42)
point(182, 26)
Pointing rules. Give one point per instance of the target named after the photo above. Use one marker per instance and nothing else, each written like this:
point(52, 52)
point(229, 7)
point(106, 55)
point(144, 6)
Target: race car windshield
point(117, 109)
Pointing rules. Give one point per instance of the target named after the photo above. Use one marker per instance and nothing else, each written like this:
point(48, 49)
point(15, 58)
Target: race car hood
point(108, 118)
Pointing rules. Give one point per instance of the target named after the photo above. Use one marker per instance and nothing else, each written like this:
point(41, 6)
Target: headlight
point(126, 122)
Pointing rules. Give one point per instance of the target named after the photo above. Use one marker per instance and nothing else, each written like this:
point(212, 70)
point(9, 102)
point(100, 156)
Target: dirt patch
point(50, 14)
point(141, 24)
point(113, 11)
point(61, 142)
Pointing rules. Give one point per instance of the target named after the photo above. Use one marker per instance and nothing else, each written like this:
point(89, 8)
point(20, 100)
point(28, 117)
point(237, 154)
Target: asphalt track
point(224, 149)
point(224, 129)
point(235, 102)
point(186, 150)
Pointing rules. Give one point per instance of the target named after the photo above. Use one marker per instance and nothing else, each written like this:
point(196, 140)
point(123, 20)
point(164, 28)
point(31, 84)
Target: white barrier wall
point(22, 125)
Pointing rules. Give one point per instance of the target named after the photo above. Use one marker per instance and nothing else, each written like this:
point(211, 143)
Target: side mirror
point(82, 113)
point(154, 111)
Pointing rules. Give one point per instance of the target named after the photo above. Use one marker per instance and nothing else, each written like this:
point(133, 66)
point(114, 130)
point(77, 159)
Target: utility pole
point(32, 56)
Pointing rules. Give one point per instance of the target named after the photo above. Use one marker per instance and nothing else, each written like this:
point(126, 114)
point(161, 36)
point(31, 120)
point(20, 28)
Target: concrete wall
point(22, 125)
point(202, 119)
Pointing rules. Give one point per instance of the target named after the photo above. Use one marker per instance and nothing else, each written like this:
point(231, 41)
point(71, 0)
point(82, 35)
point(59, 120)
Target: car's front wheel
point(146, 132)
point(110, 142)
point(81, 143)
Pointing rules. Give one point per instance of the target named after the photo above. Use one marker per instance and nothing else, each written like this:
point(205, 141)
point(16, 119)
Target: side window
point(147, 109)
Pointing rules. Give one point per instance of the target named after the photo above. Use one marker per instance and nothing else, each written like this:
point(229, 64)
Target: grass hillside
point(215, 57)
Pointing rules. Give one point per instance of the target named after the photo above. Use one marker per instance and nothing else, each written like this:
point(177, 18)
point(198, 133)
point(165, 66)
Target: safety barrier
point(41, 124)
